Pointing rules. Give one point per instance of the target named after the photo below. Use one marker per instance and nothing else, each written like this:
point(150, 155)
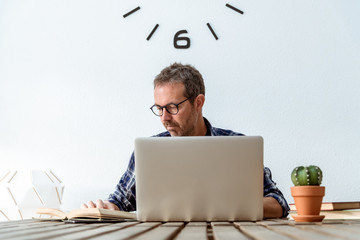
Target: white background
point(76, 84)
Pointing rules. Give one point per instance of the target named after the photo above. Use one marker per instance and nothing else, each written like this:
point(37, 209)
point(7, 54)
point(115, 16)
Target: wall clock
point(181, 38)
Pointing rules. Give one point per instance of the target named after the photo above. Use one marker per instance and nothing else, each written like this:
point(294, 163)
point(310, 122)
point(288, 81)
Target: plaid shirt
point(124, 195)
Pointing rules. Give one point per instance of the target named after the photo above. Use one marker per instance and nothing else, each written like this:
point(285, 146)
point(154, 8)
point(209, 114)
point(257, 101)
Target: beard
point(179, 131)
point(187, 129)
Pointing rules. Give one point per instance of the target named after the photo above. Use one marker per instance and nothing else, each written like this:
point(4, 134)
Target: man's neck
point(202, 127)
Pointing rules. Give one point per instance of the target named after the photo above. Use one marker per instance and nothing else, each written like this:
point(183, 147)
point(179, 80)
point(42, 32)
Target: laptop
point(199, 178)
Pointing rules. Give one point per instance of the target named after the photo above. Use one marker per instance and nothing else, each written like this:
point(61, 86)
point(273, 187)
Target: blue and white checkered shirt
point(124, 195)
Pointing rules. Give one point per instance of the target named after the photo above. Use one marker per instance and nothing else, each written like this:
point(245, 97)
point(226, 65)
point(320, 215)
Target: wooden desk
point(270, 229)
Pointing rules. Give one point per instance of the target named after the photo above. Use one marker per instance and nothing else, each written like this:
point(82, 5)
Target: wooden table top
point(269, 229)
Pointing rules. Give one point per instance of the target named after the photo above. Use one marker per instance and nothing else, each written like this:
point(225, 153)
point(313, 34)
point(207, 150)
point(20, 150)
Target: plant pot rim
point(298, 191)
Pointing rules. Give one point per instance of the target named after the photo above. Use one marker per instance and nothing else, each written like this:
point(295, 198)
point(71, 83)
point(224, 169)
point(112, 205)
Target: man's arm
point(272, 208)
point(274, 202)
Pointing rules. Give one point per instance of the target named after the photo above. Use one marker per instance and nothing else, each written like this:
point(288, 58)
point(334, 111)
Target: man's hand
point(100, 204)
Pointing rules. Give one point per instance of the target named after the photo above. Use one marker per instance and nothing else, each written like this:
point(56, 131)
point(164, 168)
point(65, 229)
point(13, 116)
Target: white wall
point(76, 84)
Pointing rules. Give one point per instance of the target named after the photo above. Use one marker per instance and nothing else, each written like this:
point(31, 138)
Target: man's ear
point(199, 101)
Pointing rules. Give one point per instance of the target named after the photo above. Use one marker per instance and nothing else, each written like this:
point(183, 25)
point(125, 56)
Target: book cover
point(335, 215)
point(331, 206)
point(94, 213)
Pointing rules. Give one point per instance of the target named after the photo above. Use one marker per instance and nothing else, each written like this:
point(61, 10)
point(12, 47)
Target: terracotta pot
point(308, 201)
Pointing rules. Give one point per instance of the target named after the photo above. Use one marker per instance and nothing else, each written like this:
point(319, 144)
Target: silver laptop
point(199, 178)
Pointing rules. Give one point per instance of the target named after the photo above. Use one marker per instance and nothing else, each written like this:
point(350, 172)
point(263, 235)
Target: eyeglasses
point(171, 108)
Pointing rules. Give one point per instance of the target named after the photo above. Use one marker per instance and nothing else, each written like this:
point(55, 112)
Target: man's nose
point(166, 116)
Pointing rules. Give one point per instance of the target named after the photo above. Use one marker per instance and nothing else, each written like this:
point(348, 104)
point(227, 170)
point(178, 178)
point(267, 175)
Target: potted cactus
point(307, 193)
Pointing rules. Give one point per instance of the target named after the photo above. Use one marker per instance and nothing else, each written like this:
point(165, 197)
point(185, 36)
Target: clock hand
point(131, 12)
point(212, 31)
point(152, 32)
point(234, 8)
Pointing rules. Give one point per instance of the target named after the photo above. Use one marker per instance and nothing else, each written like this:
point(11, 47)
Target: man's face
point(184, 122)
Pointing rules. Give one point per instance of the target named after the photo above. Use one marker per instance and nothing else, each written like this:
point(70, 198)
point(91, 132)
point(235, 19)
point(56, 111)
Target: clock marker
point(152, 32)
point(234, 8)
point(131, 12)
point(212, 31)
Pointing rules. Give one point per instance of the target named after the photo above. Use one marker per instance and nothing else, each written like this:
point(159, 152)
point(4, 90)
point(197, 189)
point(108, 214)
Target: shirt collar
point(209, 129)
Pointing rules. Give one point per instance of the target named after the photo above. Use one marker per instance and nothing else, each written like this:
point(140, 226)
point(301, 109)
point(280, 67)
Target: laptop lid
point(199, 178)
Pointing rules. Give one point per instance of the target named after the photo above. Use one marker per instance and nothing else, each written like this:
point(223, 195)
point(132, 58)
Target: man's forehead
point(169, 89)
point(170, 84)
point(169, 93)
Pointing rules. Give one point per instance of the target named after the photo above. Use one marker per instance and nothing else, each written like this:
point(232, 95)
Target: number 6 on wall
point(177, 38)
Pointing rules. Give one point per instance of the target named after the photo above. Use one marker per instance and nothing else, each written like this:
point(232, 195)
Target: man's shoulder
point(163, 134)
point(225, 132)
point(220, 131)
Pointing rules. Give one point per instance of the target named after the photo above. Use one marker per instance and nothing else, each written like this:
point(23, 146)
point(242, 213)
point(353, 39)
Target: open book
point(331, 206)
point(92, 213)
point(336, 215)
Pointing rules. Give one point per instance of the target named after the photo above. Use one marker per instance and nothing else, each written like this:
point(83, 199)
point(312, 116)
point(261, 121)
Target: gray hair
point(186, 74)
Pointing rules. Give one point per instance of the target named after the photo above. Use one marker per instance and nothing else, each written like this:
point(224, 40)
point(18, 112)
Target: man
point(179, 94)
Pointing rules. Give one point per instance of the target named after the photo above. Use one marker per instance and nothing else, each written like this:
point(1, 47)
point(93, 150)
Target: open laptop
point(199, 178)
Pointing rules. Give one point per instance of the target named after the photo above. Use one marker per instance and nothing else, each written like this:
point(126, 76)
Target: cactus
point(303, 176)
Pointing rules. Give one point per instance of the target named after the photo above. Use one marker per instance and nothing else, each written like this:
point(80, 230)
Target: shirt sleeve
point(271, 190)
point(124, 194)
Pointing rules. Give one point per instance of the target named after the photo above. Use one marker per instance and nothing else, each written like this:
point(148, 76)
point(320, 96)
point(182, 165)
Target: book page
point(51, 212)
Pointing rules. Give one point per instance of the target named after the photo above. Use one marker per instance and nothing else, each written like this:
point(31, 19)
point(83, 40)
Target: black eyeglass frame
point(162, 108)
